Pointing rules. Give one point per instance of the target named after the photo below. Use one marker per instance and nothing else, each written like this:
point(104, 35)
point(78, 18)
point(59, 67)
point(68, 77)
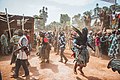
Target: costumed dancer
point(80, 49)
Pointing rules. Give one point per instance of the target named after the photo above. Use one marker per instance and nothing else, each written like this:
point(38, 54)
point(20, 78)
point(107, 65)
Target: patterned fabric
point(91, 40)
point(111, 37)
point(114, 48)
point(81, 56)
point(80, 47)
point(115, 65)
point(62, 41)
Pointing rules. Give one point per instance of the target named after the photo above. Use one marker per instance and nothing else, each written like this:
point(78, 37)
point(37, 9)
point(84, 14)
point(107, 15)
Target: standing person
point(55, 42)
point(104, 44)
point(28, 37)
point(44, 49)
point(14, 41)
point(97, 45)
point(35, 40)
point(114, 53)
point(21, 55)
point(90, 39)
point(47, 50)
point(110, 39)
point(62, 47)
point(4, 43)
point(58, 44)
point(115, 46)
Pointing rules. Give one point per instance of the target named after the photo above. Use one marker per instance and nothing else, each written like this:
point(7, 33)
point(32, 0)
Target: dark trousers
point(4, 49)
point(24, 65)
point(62, 54)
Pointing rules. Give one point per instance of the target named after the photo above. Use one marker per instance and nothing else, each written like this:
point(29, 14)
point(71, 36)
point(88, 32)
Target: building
point(16, 23)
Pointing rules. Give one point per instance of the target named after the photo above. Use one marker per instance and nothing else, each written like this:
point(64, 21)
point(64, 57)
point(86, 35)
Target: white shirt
point(23, 41)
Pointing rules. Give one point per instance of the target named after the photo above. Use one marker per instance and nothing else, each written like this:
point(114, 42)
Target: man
point(114, 53)
point(14, 41)
point(62, 44)
point(114, 48)
point(4, 43)
point(21, 55)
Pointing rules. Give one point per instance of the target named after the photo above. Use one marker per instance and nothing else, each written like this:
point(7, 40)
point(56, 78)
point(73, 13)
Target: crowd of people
point(102, 43)
point(19, 45)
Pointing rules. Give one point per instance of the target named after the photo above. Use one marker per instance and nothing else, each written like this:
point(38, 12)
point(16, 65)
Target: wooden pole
point(23, 23)
point(8, 22)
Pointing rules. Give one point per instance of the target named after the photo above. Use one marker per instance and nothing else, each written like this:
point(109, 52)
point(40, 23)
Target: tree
point(105, 8)
point(77, 21)
point(36, 16)
point(87, 18)
point(65, 20)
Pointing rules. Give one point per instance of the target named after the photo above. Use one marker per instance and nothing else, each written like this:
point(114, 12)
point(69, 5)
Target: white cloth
point(23, 41)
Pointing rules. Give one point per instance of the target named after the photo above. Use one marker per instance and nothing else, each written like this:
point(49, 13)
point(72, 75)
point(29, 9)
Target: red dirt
point(95, 70)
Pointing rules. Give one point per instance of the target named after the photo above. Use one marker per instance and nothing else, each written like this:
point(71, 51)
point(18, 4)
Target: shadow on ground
point(34, 71)
point(91, 77)
point(51, 66)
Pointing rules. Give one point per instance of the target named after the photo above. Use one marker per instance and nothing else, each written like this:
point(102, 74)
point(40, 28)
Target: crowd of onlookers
point(105, 42)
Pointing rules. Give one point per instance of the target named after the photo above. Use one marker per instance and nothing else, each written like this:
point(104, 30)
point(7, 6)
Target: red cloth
point(45, 40)
point(119, 16)
point(28, 37)
point(97, 41)
point(73, 55)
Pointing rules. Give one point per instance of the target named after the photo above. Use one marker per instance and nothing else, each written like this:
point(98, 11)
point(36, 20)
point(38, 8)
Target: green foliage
point(36, 16)
point(64, 18)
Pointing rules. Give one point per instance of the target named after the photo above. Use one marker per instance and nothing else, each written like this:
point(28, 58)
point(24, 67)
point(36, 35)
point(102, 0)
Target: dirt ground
point(96, 69)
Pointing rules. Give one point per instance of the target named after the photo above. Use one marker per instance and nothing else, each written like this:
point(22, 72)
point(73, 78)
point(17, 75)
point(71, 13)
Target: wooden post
point(8, 22)
point(23, 23)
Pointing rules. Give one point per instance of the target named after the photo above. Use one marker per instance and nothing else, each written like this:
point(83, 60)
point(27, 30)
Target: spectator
point(4, 43)
point(97, 45)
